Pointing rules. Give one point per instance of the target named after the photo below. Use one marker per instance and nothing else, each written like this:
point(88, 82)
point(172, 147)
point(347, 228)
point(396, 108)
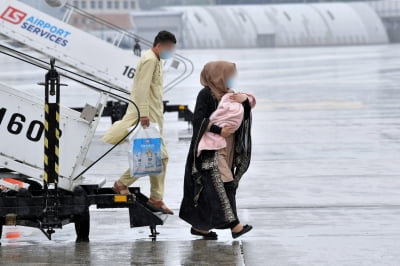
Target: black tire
point(82, 226)
point(33, 185)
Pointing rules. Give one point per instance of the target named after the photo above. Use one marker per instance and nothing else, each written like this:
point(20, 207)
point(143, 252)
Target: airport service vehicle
point(43, 144)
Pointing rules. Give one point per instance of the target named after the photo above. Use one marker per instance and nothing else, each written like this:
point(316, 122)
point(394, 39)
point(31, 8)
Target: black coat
point(205, 204)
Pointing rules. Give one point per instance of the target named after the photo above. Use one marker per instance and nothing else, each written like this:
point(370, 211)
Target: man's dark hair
point(164, 36)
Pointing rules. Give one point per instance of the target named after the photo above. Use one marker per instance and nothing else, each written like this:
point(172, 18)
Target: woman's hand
point(227, 131)
point(238, 97)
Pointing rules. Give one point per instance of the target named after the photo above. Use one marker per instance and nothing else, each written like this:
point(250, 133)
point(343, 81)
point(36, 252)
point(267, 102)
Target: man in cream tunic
point(147, 93)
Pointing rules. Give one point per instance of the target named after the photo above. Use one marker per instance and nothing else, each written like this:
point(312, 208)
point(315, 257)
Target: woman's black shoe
point(247, 228)
point(209, 236)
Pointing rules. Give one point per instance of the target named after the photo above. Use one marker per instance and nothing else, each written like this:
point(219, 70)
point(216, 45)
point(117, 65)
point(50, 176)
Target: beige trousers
point(157, 183)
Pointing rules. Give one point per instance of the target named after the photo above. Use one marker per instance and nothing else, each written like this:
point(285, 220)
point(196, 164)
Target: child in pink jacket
point(228, 114)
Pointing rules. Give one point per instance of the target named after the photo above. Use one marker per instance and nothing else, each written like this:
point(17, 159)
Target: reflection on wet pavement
point(196, 252)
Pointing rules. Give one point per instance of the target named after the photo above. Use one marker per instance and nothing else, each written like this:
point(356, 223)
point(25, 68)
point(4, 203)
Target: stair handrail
point(187, 63)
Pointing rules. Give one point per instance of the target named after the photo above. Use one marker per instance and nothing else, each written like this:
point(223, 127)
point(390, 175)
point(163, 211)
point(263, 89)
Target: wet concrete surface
point(197, 252)
point(323, 187)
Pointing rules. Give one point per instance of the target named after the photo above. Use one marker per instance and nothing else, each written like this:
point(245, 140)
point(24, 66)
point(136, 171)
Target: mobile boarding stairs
point(43, 157)
point(44, 145)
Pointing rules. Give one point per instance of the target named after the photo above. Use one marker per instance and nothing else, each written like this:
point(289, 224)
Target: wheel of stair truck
point(82, 220)
point(33, 185)
point(82, 226)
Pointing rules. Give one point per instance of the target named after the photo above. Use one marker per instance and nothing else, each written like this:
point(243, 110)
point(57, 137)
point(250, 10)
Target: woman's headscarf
point(214, 76)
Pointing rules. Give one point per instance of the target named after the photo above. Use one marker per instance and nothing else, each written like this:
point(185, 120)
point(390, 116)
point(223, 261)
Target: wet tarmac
point(323, 187)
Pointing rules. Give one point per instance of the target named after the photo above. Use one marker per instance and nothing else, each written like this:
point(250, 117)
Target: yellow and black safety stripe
point(51, 142)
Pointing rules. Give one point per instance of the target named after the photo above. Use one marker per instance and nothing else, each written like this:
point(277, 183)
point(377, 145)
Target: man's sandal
point(120, 188)
point(158, 206)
